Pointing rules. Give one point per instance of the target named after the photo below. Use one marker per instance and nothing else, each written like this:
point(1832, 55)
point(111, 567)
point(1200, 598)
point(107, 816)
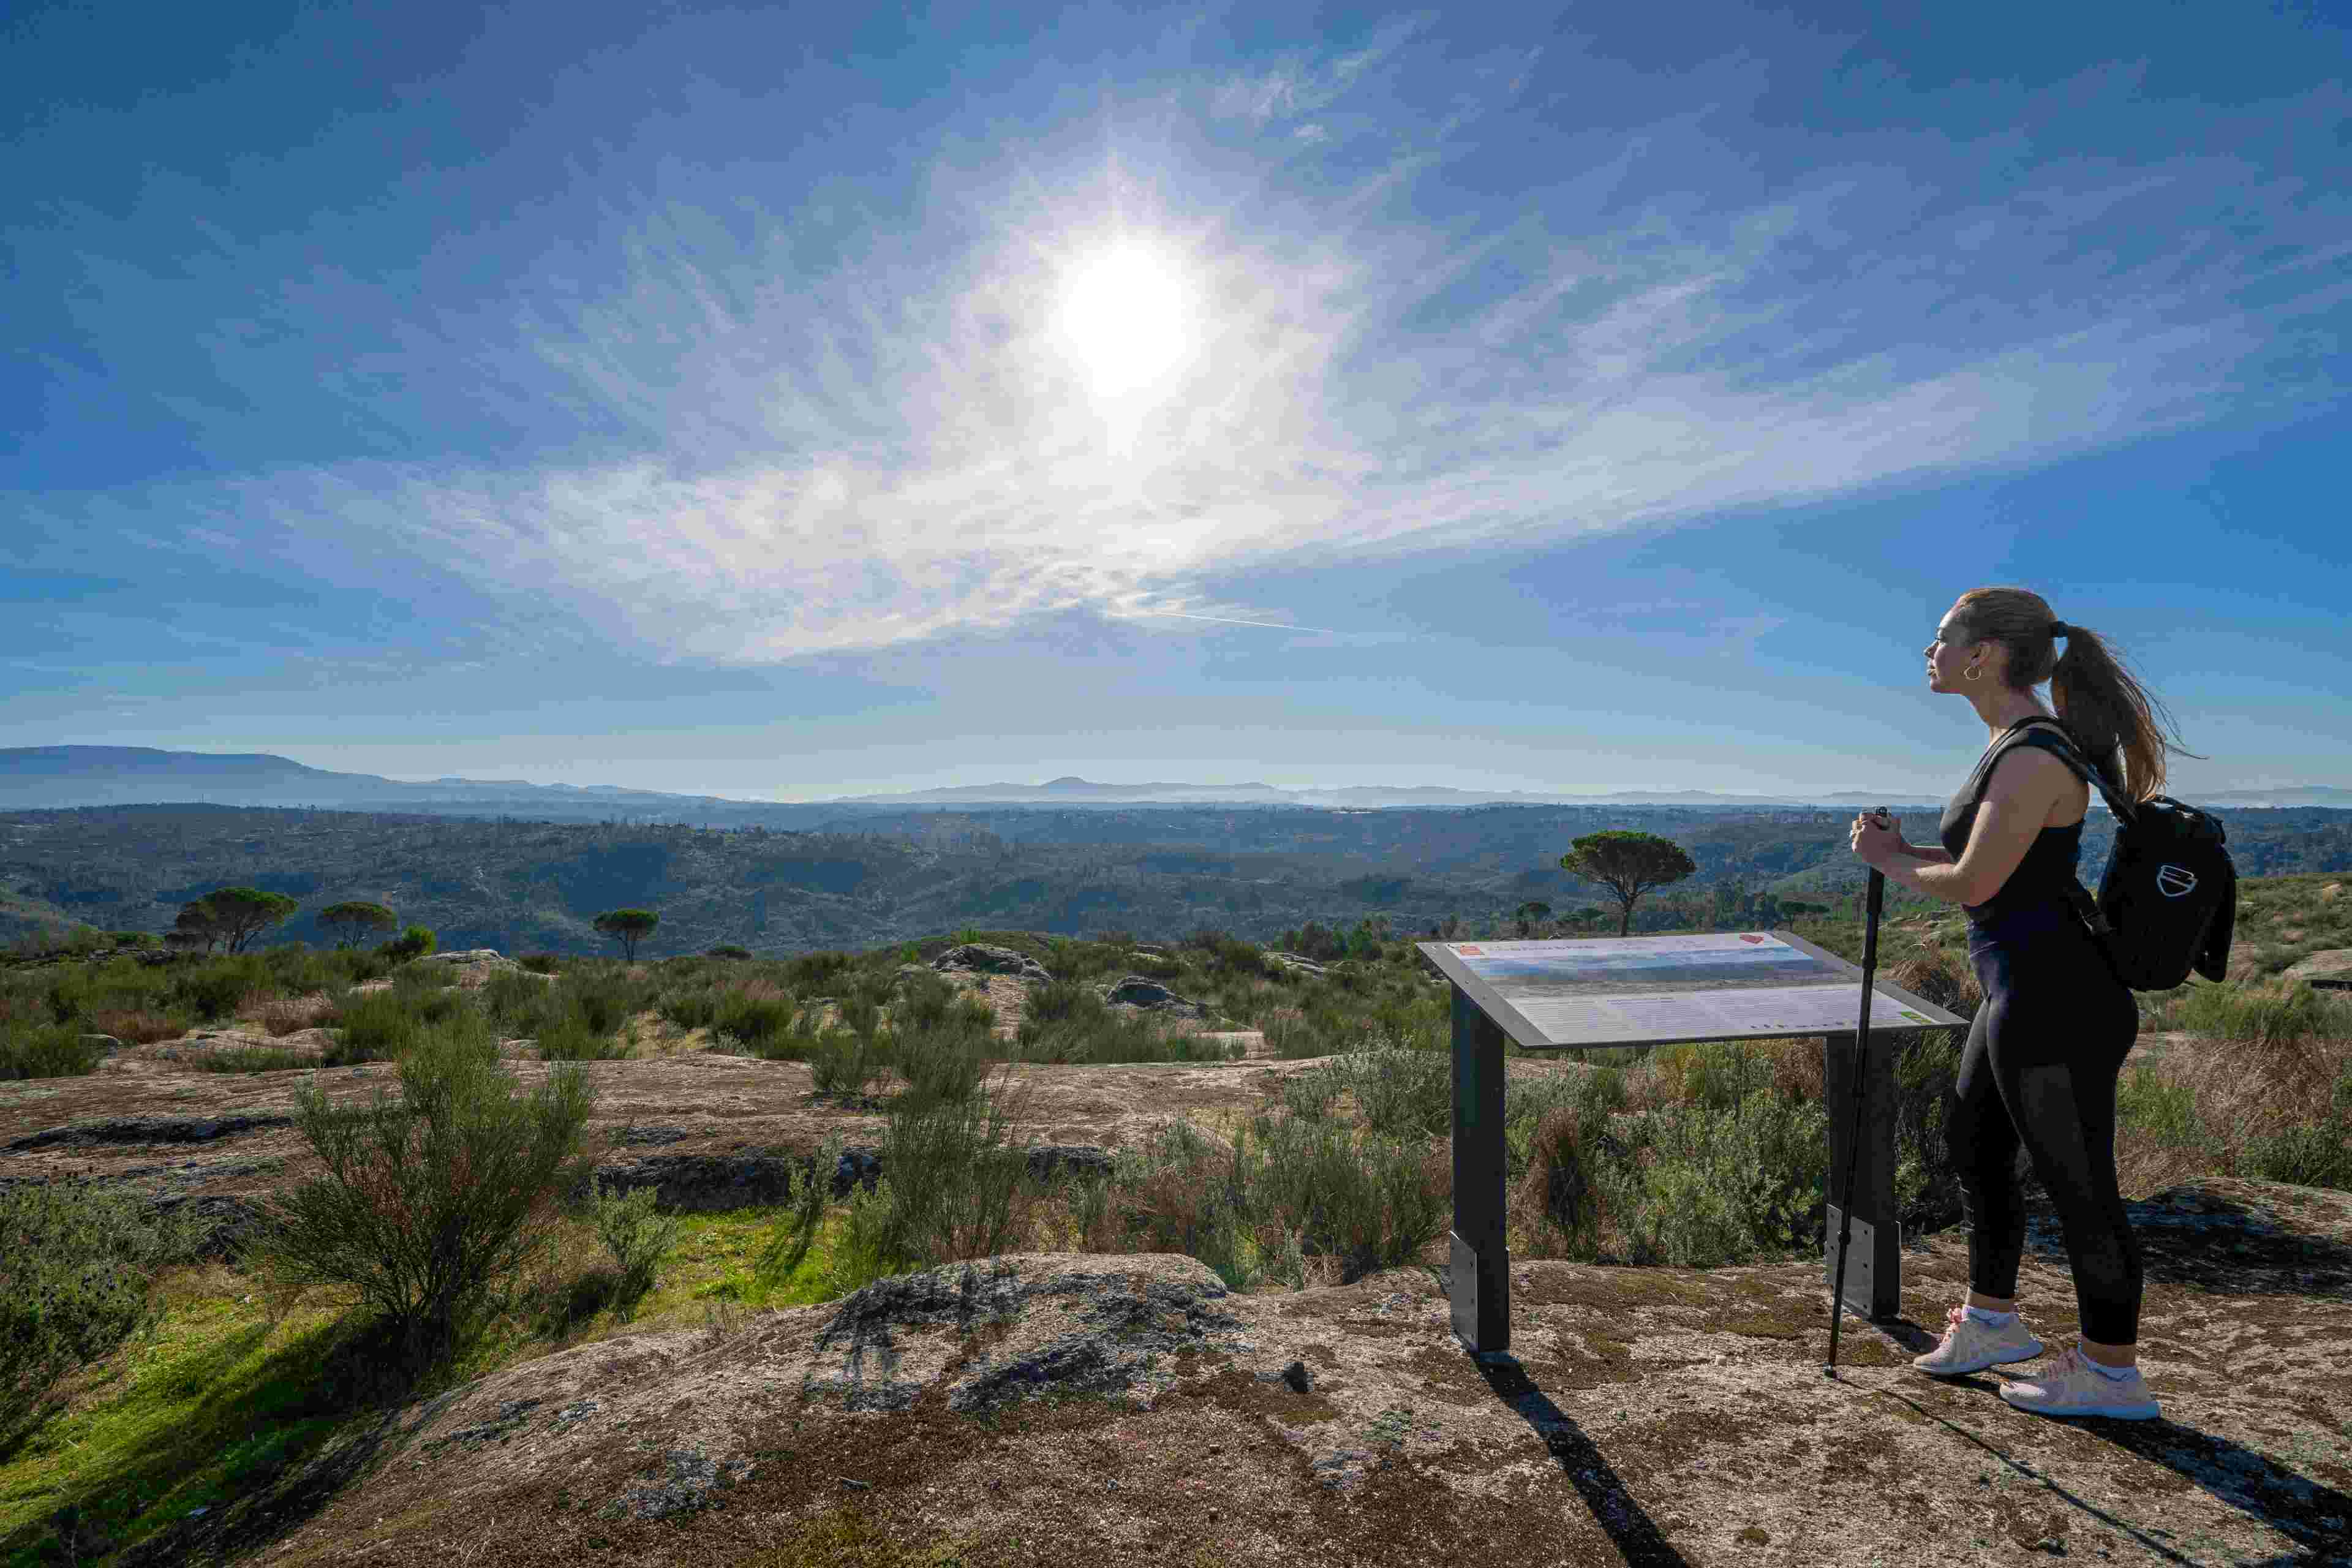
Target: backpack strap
point(2059, 744)
point(2048, 735)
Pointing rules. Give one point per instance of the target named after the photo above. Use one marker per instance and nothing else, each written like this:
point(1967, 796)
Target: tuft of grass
point(848, 1536)
point(639, 1239)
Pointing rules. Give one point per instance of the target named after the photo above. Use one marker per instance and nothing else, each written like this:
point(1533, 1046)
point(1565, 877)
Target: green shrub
point(1704, 1186)
point(1926, 1080)
point(841, 1063)
point(2163, 1107)
point(212, 990)
point(756, 1018)
point(1401, 1092)
point(569, 1036)
point(1313, 1094)
point(47, 1050)
point(609, 996)
point(940, 1039)
point(541, 962)
point(2271, 1017)
point(1222, 950)
point(797, 1233)
point(639, 1239)
point(517, 1003)
point(297, 971)
point(2315, 1154)
point(931, 1004)
point(1066, 1020)
point(1368, 1201)
point(729, 951)
point(415, 942)
point(77, 1277)
point(816, 973)
point(860, 1012)
point(940, 1066)
point(429, 1201)
point(697, 1008)
point(385, 1026)
point(1062, 1000)
point(2318, 1156)
point(949, 1190)
point(77, 993)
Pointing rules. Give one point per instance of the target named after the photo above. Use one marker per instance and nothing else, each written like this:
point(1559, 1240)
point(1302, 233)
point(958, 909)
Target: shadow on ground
point(1636, 1535)
point(2315, 1517)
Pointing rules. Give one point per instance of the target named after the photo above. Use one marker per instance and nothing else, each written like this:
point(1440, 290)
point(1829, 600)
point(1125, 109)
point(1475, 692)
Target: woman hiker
point(2039, 1070)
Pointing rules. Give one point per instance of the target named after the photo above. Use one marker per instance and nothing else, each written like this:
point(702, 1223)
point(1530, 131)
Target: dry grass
point(2205, 1104)
point(650, 1035)
point(136, 1028)
point(289, 1014)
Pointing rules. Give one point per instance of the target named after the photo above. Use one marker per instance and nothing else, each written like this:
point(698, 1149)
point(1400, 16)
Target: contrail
point(1228, 620)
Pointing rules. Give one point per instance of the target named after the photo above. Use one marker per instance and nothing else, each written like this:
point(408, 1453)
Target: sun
point(1126, 315)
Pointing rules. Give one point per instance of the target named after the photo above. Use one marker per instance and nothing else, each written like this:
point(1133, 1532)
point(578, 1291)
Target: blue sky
point(793, 401)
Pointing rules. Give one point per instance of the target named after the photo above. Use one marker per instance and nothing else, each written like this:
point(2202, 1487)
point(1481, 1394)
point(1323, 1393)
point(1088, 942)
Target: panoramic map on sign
point(1714, 986)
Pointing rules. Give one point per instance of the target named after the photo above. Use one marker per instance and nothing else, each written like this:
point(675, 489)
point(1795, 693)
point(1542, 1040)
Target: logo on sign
point(2175, 882)
point(1751, 939)
point(1465, 947)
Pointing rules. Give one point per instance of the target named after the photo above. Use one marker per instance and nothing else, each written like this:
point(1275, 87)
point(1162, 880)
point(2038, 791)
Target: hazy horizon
point(1073, 788)
point(789, 403)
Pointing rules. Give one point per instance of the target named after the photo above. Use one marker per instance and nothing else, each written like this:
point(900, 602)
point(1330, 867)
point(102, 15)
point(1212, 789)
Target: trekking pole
point(1853, 1135)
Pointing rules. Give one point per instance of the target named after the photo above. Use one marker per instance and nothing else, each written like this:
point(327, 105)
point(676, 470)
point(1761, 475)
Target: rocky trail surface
point(1064, 1409)
point(707, 1130)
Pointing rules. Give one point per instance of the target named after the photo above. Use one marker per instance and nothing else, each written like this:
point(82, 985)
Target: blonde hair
point(2110, 715)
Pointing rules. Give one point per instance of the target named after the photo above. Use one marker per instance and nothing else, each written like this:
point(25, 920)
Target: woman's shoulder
point(2032, 775)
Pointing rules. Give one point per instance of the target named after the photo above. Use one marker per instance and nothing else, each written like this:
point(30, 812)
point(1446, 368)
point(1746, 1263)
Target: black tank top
point(2048, 870)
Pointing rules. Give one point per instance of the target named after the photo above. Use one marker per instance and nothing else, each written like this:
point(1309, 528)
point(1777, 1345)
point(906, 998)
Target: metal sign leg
point(1478, 1275)
point(1873, 1276)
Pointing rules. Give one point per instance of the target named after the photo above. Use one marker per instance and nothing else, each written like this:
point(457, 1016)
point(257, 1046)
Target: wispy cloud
point(892, 447)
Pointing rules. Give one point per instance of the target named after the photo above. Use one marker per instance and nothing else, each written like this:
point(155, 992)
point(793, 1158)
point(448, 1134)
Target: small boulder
point(1080, 1324)
point(1146, 994)
point(106, 1043)
point(2326, 969)
point(979, 958)
point(471, 955)
point(1296, 963)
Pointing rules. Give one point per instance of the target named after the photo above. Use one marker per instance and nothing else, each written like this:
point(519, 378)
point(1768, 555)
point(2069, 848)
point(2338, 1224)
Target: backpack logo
point(2175, 882)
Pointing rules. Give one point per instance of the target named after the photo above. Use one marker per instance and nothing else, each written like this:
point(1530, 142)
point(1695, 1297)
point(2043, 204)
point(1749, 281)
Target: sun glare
point(1124, 315)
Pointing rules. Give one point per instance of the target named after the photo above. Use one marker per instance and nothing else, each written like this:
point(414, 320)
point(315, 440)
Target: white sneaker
point(1971, 1346)
point(2075, 1387)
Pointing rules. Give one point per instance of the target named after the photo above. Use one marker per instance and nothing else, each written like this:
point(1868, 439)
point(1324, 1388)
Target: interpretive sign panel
point(1663, 990)
point(1660, 991)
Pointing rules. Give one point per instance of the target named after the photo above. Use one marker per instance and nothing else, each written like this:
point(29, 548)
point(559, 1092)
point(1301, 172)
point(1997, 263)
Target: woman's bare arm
point(1935, 855)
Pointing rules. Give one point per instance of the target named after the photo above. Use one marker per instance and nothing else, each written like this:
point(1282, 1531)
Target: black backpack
point(2169, 901)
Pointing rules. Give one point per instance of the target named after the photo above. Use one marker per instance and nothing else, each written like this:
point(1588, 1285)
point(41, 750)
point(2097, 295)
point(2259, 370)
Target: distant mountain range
point(49, 777)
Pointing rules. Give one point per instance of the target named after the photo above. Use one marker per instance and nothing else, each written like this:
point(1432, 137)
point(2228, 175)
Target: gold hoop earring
point(1974, 673)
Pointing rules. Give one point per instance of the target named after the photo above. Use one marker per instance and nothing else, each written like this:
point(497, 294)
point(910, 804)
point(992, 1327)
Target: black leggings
point(2039, 1073)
